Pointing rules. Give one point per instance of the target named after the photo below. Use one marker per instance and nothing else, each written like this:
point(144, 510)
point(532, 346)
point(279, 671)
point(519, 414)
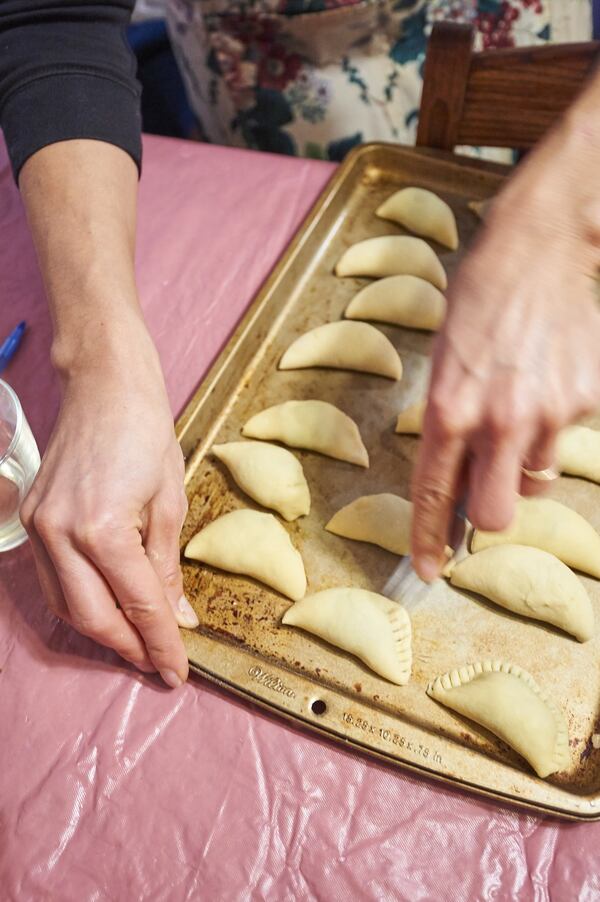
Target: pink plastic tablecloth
point(113, 788)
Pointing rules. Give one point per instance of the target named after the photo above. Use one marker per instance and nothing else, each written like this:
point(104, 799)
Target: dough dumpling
point(383, 520)
point(252, 544)
point(314, 425)
point(578, 452)
point(393, 255)
point(400, 300)
point(423, 212)
point(410, 420)
point(270, 475)
point(365, 624)
point(530, 582)
point(506, 700)
point(345, 346)
point(553, 527)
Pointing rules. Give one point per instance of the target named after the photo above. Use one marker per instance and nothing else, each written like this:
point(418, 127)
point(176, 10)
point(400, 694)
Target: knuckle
point(496, 420)
point(140, 612)
point(430, 497)
point(48, 523)
point(167, 566)
point(585, 400)
point(88, 535)
point(94, 532)
point(511, 409)
point(89, 625)
point(501, 423)
point(172, 576)
point(551, 420)
point(437, 400)
point(555, 410)
point(450, 423)
point(556, 414)
point(171, 515)
point(438, 408)
point(449, 418)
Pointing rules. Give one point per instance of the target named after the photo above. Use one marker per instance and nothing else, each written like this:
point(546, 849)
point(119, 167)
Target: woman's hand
point(105, 511)
point(519, 355)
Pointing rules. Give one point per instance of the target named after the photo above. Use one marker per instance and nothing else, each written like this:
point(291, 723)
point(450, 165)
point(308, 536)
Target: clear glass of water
point(19, 462)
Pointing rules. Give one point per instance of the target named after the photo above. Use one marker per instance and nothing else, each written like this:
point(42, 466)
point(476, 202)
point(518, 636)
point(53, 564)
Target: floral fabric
point(315, 77)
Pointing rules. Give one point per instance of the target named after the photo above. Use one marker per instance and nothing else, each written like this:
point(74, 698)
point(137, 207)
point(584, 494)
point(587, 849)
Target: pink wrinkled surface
point(113, 788)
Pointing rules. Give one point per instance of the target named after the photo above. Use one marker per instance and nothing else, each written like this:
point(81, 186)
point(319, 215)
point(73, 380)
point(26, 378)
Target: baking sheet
point(240, 642)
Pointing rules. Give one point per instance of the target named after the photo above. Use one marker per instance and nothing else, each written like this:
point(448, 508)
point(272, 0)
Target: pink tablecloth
point(111, 787)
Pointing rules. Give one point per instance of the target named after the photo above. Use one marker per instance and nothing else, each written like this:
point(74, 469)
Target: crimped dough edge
point(453, 679)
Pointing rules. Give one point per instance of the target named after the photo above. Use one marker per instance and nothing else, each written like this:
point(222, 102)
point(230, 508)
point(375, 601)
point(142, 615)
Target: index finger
point(434, 486)
point(120, 557)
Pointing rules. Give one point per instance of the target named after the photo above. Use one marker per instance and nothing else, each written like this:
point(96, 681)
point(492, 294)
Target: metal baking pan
point(240, 643)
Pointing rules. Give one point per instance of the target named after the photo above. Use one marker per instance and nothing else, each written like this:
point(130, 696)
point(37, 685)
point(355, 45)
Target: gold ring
point(547, 475)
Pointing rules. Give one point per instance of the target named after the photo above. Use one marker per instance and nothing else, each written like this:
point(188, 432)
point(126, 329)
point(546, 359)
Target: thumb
point(161, 541)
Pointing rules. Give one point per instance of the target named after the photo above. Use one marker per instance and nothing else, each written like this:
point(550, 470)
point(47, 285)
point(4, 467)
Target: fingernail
point(172, 679)
point(429, 568)
point(185, 614)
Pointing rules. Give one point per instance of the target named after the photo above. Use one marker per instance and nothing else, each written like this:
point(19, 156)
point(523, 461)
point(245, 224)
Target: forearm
point(80, 198)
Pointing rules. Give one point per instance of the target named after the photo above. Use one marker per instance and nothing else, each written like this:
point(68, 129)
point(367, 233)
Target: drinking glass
point(19, 462)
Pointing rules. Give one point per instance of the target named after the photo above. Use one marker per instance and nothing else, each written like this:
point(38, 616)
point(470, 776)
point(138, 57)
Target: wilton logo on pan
point(270, 681)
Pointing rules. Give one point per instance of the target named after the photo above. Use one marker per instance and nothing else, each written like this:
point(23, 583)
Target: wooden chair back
point(496, 98)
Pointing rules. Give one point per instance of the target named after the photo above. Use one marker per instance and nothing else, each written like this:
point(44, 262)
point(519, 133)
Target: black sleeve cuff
point(72, 104)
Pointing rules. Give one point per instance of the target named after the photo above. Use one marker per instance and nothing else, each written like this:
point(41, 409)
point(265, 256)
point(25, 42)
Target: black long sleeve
point(66, 71)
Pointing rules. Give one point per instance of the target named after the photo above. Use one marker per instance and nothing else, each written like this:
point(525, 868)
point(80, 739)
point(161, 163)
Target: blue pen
point(9, 345)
